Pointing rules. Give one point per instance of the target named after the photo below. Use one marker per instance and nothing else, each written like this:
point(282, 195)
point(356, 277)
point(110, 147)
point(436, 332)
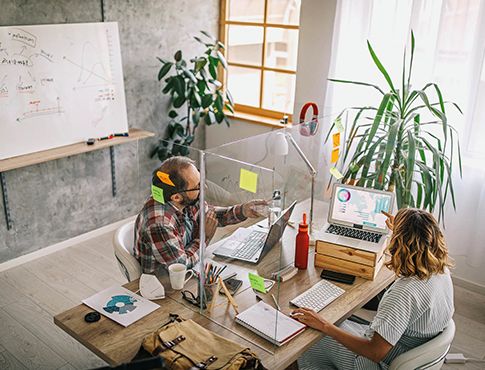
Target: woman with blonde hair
point(417, 306)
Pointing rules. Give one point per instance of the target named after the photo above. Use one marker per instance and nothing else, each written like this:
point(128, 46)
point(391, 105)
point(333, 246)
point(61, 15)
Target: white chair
point(430, 355)
point(123, 242)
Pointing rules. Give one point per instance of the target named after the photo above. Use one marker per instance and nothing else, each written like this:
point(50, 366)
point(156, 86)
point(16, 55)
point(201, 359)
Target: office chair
point(123, 242)
point(429, 355)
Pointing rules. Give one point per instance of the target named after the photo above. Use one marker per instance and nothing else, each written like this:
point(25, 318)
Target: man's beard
point(187, 202)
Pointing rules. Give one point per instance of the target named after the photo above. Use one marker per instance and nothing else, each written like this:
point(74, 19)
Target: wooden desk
point(116, 344)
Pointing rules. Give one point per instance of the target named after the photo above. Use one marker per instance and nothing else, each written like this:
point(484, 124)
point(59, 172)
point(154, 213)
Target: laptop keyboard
point(251, 245)
point(354, 233)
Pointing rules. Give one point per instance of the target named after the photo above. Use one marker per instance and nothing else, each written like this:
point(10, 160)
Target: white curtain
point(450, 49)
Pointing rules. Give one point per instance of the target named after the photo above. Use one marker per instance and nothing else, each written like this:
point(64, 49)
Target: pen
point(276, 303)
point(220, 271)
point(105, 137)
point(122, 134)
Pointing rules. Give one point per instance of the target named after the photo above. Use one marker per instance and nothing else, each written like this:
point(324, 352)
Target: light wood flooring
point(31, 294)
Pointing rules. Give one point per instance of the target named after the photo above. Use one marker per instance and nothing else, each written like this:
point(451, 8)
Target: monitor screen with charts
point(359, 206)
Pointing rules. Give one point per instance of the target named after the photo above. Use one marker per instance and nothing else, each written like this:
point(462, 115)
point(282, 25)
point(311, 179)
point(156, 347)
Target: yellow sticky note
point(336, 139)
point(257, 282)
point(335, 153)
point(165, 178)
point(338, 124)
point(248, 180)
point(157, 194)
point(336, 173)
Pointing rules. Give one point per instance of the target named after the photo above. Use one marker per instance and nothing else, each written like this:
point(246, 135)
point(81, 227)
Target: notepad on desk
point(270, 324)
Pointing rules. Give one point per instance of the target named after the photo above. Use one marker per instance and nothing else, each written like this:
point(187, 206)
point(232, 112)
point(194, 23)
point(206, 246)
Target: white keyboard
point(318, 296)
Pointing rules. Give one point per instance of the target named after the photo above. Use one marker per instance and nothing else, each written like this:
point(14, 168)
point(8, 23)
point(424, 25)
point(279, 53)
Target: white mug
point(177, 273)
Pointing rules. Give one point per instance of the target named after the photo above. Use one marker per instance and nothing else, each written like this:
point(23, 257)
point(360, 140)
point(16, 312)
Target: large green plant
point(395, 145)
point(196, 90)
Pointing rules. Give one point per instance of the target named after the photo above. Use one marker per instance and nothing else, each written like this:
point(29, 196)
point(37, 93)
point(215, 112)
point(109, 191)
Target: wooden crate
point(348, 260)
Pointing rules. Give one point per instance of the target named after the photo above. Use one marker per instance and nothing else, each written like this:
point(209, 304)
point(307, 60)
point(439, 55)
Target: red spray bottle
point(302, 243)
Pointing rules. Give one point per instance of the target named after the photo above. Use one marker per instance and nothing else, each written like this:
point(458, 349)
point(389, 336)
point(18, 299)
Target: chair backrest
point(429, 355)
point(123, 242)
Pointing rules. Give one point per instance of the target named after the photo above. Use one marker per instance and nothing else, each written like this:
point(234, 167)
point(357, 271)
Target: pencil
point(276, 303)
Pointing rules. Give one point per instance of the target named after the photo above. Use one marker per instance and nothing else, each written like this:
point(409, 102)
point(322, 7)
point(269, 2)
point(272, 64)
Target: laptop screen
point(359, 206)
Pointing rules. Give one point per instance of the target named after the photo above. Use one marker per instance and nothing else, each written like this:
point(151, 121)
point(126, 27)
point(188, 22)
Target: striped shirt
point(412, 312)
point(165, 235)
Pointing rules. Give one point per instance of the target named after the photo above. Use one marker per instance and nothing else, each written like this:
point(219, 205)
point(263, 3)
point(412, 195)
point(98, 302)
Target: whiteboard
point(59, 84)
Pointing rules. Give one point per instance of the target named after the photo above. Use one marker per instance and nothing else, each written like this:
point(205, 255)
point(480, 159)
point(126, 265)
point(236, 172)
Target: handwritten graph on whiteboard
point(59, 85)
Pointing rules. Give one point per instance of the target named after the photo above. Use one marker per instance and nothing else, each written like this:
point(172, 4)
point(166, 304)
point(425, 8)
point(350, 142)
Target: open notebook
point(270, 324)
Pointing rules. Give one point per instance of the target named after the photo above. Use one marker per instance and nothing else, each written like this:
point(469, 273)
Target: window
point(261, 38)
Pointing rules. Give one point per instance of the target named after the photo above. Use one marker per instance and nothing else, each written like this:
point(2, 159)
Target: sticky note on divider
point(335, 153)
point(157, 194)
point(248, 180)
point(165, 178)
point(338, 124)
point(257, 282)
point(336, 139)
point(336, 173)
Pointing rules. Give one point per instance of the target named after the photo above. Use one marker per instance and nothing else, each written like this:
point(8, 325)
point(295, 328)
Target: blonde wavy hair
point(417, 245)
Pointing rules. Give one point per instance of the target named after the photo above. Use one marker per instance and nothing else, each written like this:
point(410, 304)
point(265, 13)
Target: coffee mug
point(177, 273)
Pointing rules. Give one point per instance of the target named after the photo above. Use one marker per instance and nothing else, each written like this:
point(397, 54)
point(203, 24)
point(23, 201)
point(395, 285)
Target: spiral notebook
point(270, 324)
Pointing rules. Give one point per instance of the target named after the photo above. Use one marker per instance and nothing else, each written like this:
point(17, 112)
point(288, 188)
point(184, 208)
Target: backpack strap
point(204, 364)
point(168, 345)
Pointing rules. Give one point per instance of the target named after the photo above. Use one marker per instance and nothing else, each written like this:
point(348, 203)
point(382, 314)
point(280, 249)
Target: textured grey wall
point(61, 199)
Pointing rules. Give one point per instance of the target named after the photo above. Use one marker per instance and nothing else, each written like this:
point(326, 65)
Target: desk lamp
point(280, 147)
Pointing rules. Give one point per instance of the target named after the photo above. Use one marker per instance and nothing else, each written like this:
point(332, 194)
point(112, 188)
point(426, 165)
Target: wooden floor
point(31, 294)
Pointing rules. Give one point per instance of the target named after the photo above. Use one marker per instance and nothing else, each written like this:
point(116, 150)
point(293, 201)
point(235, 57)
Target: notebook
point(270, 324)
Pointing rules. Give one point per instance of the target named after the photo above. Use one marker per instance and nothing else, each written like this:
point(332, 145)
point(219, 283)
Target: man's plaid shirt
point(165, 235)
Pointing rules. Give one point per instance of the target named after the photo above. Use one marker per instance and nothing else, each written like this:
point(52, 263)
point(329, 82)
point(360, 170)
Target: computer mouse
point(150, 287)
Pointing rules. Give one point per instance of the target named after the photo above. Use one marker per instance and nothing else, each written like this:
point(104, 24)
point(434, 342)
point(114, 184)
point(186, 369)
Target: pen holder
point(209, 291)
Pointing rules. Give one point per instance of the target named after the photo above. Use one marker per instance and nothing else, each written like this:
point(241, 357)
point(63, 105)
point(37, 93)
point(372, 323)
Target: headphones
point(309, 128)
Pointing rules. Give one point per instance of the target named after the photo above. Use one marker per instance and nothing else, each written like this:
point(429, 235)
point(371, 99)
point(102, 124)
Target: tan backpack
point(184, 344)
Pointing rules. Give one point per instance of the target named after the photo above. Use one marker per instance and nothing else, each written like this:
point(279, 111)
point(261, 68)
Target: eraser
point(91, 141)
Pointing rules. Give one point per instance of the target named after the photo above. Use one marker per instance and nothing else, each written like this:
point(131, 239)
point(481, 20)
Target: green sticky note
point(257, 282)
point(336, 173)
point(248, 180)
point(338, 124)
point(157, 194)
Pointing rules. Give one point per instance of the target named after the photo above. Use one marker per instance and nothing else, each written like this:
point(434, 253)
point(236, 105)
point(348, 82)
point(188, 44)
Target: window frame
point(223, 22)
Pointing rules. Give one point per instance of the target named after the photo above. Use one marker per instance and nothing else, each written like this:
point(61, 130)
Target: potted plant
point(194, 88)
point(395, 145)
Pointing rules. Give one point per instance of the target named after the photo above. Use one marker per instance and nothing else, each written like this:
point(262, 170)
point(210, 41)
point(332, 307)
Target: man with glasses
point(167, 228)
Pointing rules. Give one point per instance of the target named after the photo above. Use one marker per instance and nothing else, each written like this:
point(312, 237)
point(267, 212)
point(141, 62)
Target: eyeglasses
point(192, 299)
point(187, 190)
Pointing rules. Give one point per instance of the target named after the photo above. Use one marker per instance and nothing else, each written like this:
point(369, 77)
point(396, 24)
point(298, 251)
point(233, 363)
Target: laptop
point(258, 242)
point(355, 219)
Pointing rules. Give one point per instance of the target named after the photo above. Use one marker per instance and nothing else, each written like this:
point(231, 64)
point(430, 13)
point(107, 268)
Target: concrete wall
point(61, 199)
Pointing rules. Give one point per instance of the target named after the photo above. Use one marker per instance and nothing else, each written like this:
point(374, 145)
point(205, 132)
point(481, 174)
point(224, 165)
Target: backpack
point(184, 344)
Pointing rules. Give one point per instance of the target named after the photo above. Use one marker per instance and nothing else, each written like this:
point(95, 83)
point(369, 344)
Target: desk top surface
point(116, 344)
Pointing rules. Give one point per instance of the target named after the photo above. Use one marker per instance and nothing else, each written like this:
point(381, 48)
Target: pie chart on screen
point(343, 195)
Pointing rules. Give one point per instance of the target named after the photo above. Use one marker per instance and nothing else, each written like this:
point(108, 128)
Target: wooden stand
point(349, 260)
point(229, 297)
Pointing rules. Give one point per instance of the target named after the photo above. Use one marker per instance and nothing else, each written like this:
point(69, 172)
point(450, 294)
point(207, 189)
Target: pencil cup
point(209, 291)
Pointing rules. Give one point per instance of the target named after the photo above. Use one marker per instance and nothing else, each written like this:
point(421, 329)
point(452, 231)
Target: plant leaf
point(358, 83)
point(178, 56)
point(222, 59)
point(380, 66)
point(164, 70)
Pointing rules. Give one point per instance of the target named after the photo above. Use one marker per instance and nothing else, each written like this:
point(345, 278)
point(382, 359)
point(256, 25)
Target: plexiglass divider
point(247, 188)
